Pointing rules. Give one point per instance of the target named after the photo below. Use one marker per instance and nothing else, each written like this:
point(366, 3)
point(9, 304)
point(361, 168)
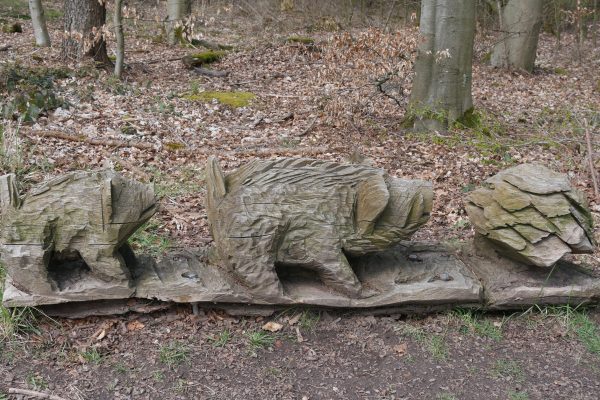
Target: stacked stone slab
point(532, 215)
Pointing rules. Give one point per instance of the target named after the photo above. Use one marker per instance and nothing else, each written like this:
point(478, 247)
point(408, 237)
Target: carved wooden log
point(532, 215)
point(308, 213)
point(69, 235)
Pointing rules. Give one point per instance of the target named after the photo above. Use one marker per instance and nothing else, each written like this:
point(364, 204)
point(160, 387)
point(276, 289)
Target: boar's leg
point(105, 263)
point(335, 271)
point(252, 262)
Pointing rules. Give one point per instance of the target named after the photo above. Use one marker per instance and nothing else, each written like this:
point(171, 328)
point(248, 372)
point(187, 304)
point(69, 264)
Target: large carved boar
point(308, 213)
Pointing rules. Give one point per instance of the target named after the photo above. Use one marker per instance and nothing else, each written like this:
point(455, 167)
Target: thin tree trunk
point(441, 91)
point(84, 21)
point(118, 22)
point(38, 21)
point(176, 10)
point(522, 21)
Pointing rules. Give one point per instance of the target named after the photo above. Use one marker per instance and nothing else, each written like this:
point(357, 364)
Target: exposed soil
point(319, 101)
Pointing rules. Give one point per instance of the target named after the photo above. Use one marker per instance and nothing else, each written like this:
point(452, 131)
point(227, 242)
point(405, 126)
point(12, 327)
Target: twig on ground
point(5, 48)
point(588, 139)
point(211, 72)
point(96, 142)
point(309, 127)
point(35, 394)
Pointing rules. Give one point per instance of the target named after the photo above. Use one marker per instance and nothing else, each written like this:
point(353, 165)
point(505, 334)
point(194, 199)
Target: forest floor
point(319, 100)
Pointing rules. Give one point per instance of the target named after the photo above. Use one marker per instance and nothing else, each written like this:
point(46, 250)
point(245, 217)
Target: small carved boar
point(79, 221)
point(308, 213)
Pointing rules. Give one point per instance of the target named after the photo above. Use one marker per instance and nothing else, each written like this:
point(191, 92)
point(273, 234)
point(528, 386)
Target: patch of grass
point(587, 331)
point(432, 343)
point(309, 320)
point(92, 356)
point(445, 396)
point(120, 368)
point(3, 396)
point(158, 376)
point(173, 354)
point(148, 240)
point(577, 322)
point(518, 396)
point(221, 339)
point(231, 99)
point(36, 382)
point(17, 320)
point(260, 340)
point(508, 369)
point(474, 322)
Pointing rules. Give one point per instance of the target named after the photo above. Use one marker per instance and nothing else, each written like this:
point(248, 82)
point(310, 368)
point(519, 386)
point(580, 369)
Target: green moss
point(12, 28)
point(470, 119)
point(174, 146)
point(208, 57)
point(232, 99)
point(300, 39)
point(560, 71)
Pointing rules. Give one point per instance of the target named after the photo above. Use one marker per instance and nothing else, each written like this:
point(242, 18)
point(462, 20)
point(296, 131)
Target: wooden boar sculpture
point(532, 215)
point(69, 235)
point(308, 213)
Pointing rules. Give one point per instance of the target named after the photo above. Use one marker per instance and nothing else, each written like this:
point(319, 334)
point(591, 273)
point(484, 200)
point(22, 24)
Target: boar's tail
point(215, 183)
point(9, 194)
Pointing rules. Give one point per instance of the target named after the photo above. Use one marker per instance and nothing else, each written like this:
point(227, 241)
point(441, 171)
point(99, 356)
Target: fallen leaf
point(272, 326)
point(299, 335)
point(400, 349)
point(135, 326)
point(101, 335)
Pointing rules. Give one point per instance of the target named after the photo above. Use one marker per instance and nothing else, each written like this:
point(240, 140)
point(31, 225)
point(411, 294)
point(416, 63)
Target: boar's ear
point(371, 199)
point(9, 194)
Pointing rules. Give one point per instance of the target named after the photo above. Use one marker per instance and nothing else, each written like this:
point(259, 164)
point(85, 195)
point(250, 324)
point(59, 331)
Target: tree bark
point(176, 10)
point(84, 21)
point(521, 24)
point(38, 21)
point(441, 90)
point(118, 22)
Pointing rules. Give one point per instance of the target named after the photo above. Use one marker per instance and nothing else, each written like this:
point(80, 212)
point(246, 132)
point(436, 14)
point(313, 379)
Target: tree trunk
point(521, 23)
point(38, 21)
point(441, 90)
point(84, 21)
point(177, 10)
point(118, 22)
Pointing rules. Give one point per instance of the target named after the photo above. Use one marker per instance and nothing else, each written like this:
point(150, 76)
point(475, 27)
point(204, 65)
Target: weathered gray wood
point(310, 214)
point(531, 214)
point(412, 274)
point(67, 238)
point(512, 285)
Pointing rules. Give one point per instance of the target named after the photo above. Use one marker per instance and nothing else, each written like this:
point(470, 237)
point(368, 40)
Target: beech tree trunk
point(521, 21)
point(38, 21)
point(176, 10)
point(118, 22)
point(441, 90)
point(84, 21)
